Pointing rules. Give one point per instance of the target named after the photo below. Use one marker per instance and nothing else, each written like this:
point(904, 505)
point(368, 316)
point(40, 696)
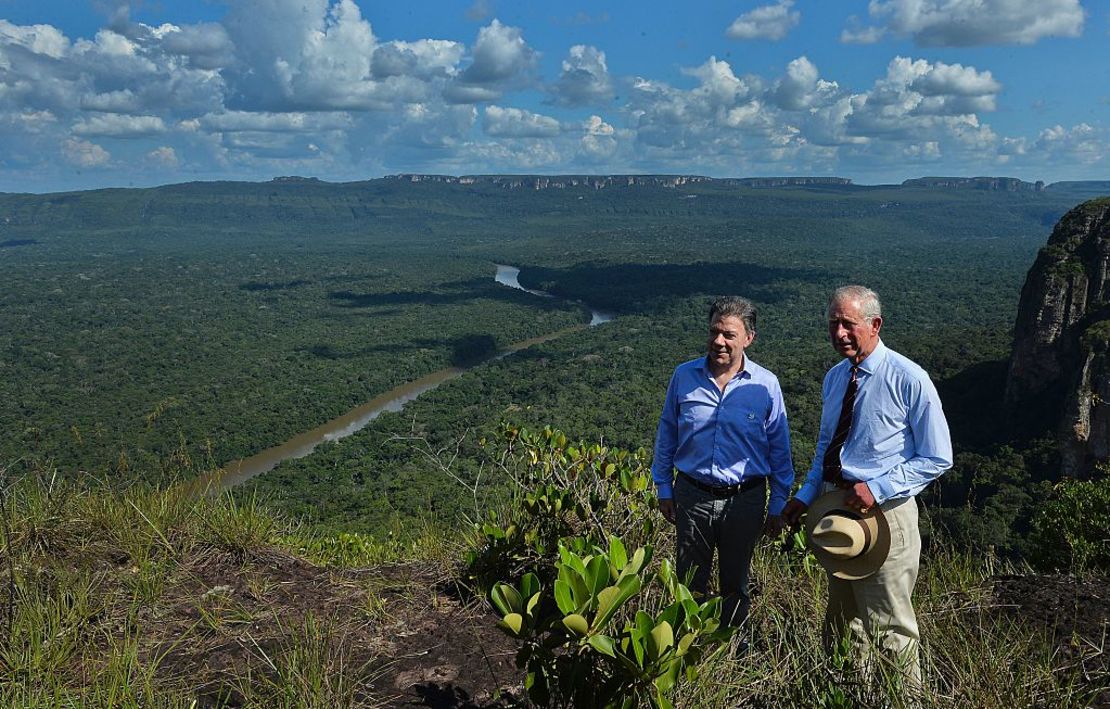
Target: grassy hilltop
point(155, 598)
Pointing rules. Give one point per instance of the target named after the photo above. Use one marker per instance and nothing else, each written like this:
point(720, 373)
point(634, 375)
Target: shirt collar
point(872, 361)
point(746, 372)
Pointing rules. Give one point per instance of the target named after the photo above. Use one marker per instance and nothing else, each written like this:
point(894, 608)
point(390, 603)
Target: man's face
point(727, 340)
point(851, 334)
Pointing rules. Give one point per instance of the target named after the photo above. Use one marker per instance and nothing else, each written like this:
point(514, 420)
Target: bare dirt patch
point(400, 635)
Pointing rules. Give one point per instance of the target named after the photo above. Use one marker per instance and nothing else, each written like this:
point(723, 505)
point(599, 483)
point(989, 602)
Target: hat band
point(868, 541)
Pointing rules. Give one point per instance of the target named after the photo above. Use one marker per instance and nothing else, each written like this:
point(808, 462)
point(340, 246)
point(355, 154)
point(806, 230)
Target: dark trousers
point(729, 525)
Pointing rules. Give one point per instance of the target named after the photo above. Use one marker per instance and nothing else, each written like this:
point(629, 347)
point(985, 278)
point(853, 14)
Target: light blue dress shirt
point(899, 440)
point(724, 437)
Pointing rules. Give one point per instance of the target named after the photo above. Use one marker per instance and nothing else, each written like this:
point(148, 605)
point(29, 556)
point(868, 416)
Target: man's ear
point(877, 323)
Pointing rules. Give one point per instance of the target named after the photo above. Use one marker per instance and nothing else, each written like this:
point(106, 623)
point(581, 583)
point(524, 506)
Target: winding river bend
point(239, 471)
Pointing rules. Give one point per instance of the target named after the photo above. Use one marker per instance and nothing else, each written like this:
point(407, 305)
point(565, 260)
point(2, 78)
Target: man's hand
point(773, 526)
point(792, 513)
point(859, 498)
point(667, 508)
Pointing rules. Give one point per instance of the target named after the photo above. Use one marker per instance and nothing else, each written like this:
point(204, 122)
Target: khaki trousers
point(877, 612)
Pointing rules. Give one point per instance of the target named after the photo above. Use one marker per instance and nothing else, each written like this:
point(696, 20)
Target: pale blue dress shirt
point(724, 437)
point(898, 442)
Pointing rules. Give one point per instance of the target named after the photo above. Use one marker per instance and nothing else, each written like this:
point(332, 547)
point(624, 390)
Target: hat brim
point(861, 566)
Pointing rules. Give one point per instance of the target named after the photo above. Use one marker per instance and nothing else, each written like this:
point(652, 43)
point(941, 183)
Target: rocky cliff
point(993, 184)
point(599, 182)
point(1060, 362)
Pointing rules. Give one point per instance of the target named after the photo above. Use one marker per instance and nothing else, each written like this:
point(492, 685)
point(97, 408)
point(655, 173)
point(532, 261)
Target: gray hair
point(733, 306)
point(869, 305)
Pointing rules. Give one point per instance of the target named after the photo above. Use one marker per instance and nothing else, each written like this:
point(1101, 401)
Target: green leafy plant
point(566, 493)
point(585, 643)
point(1070, 531)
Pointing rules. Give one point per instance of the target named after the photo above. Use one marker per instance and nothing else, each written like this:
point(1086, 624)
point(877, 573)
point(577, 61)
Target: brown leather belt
point(724, 490)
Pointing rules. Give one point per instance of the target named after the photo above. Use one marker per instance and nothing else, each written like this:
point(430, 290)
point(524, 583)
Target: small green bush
point(598, 645)
point(564, 493)
point(1072, 530)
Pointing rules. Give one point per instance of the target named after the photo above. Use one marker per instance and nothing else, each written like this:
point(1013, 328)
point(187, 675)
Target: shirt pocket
point(746, 423)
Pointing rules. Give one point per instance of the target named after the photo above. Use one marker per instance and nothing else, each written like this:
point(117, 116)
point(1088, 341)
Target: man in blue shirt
point(723, 429)
point(883, 439)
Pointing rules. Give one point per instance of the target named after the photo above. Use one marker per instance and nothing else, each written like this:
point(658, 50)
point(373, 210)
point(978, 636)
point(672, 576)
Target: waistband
point(725, 490)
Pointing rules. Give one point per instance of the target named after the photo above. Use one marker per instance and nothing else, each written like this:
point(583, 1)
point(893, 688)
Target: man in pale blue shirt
point(883, 439)
point(723, 429)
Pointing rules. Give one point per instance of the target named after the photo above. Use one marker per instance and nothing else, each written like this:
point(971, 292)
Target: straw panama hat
point(848, 544)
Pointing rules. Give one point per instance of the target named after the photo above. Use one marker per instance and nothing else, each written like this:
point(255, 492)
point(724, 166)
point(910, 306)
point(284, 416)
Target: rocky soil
point(404, 634)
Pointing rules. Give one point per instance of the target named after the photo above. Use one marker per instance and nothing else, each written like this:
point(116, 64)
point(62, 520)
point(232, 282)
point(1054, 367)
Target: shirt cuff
point(663, 491)
point(881, 489)
point(807, 494)
point(775, 507)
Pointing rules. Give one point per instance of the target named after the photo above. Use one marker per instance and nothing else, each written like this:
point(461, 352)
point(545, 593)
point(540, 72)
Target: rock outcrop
point(1061, 354)
point(994, 184)
point(600, 182)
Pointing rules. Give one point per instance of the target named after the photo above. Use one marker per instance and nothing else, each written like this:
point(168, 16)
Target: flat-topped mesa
point(786, 181)
point(1061, 353)
point(597, 182)
point(994, 184)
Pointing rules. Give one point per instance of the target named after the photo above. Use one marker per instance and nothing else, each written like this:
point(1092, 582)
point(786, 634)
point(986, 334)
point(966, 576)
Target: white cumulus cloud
point(309, 55)
point(425, 58)
point(516, 123)
point(83, 153)
point(917, 111)
point(206, 45)
point(163, 156)
point(38, 39)
point(585, 78)
point(955, 79)
point(501, 59)
point(966, 23)
point(269, 122)
point(116, 125)
point(599, 141)
point(771, 22)
point(1083, 143)
point(803, 88)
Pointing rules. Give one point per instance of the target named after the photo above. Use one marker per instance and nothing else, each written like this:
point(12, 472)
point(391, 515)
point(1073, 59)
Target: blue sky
point(108, 93)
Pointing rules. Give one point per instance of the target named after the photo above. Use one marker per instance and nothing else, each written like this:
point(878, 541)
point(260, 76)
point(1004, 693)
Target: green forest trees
point(204, 322)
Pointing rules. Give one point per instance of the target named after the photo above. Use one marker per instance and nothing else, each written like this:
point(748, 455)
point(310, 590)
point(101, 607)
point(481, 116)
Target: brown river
point(239, 471)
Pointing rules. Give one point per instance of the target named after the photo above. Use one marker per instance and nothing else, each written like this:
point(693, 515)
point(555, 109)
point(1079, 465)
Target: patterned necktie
point(833, 472)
